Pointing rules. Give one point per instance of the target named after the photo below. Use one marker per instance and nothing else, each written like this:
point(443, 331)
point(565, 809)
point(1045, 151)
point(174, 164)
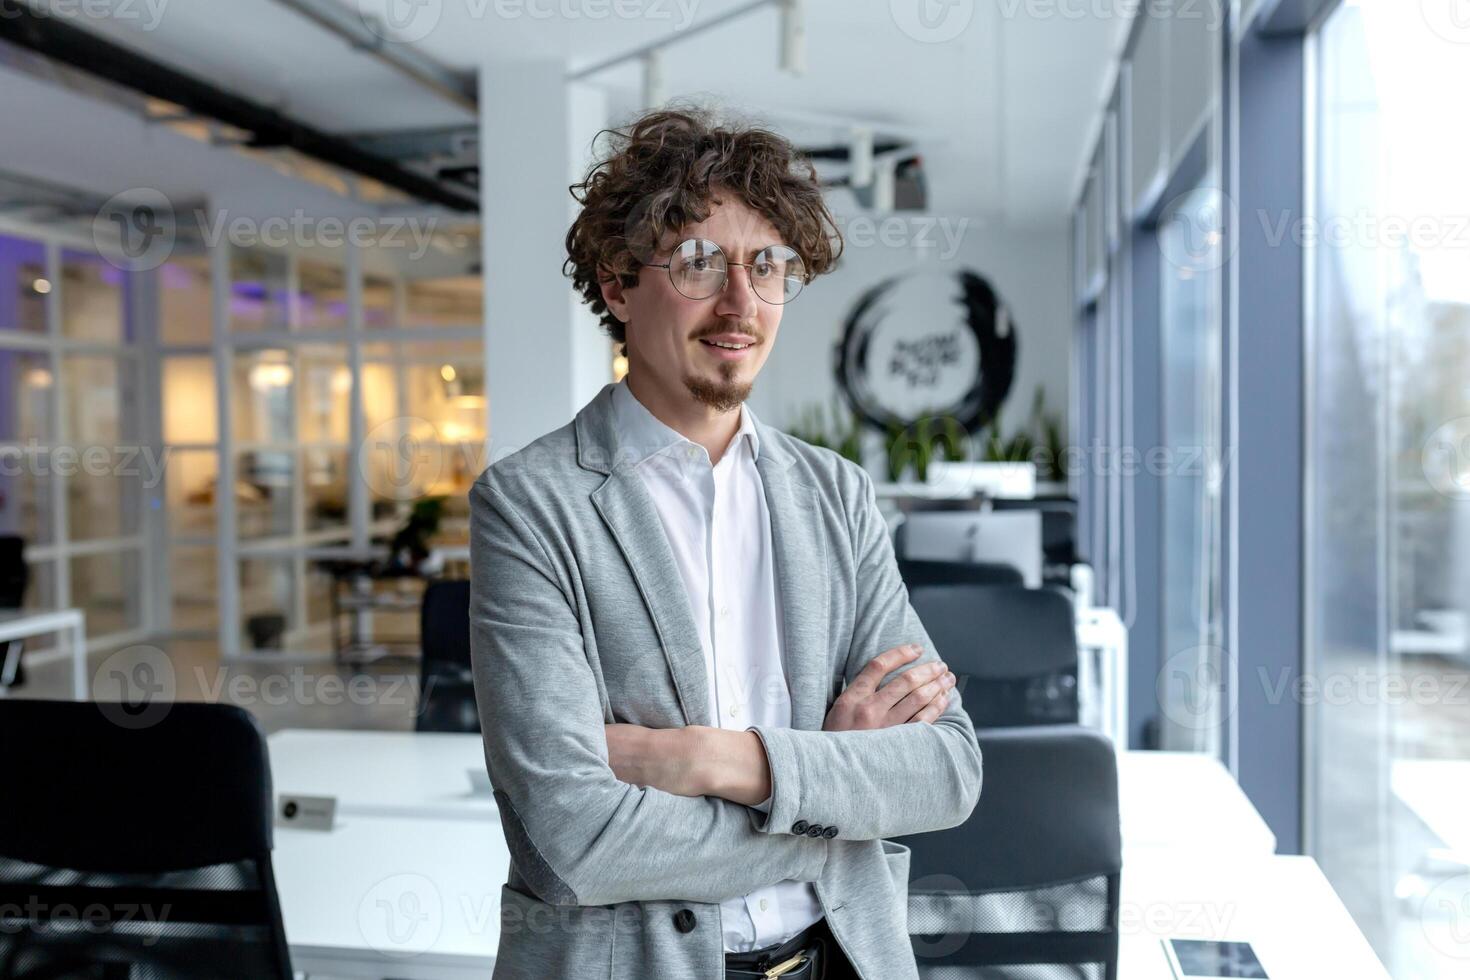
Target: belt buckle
point(786, 966)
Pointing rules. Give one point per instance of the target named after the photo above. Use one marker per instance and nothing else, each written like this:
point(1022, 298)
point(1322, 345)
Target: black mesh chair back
point(136, 844)
point(916, 572)
point(1028, 887)
point(1013, 650)
point(446, 684)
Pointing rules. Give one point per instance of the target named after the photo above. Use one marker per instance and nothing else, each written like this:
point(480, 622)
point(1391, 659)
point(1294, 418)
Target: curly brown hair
point(660, 175)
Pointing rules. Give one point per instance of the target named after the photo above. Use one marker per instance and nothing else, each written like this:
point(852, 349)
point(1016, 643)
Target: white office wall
point(1028, 268)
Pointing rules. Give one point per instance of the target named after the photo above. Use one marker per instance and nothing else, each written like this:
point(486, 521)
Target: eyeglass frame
point(805, 277)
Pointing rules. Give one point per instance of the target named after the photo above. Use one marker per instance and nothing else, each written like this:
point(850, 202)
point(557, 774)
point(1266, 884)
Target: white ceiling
point(1001, 112)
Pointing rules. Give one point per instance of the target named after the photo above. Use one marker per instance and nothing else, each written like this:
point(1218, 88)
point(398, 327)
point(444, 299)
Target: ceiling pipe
point(49, 37)
point(374, 38)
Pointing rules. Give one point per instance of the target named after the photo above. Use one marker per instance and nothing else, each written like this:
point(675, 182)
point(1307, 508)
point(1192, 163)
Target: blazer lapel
point(800, 563)
point(628, 510)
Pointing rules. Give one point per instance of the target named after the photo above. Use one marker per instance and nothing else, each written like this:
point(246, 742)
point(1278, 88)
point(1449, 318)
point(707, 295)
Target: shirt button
point(734, 710)
point(724, 612)
point(765, 905)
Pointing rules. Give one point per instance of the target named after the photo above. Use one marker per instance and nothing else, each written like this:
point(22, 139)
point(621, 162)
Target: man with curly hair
point(705, 697)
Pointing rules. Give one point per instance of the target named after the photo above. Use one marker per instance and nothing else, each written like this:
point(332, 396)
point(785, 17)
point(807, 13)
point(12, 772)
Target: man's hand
point(691, 761)
point(917, 695)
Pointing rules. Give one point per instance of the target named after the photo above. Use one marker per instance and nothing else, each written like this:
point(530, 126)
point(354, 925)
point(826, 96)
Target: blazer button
point(830, 833)
point(799, 827)
point(815, 830)
point(684, 920)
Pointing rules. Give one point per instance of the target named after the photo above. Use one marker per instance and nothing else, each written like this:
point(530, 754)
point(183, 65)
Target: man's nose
point(739, 294)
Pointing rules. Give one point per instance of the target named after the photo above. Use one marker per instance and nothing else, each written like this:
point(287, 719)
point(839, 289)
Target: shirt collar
point(642, 435)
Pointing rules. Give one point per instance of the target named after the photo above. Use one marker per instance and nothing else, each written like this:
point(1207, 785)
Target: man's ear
point(612, 295)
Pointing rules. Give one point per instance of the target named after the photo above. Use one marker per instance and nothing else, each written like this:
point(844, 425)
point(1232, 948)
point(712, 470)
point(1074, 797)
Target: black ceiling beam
point(49, 37)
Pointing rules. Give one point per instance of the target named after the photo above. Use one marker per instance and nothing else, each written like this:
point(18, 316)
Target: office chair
point(446, 684)
point(1032, 879)
point(164, 823)
point(1013, 649)
point(917, 572)
point(15, 575)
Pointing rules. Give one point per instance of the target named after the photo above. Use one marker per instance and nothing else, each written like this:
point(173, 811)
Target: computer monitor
point(1008, 538)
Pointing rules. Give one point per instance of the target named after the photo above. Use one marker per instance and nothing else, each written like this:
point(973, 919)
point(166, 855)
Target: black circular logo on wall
point(927, 345)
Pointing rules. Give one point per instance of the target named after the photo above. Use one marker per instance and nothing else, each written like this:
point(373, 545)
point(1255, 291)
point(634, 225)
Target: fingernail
point(949, 680)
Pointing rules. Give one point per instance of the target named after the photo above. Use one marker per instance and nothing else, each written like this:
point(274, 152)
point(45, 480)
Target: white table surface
point(1167, 799)
point(1282, 905)
point(1187, 802)
point(383, 773)
point(403, 897)
point(1438, 791)
point(20, 624)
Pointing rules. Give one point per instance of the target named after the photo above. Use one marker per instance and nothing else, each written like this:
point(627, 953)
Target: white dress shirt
point(719, 529)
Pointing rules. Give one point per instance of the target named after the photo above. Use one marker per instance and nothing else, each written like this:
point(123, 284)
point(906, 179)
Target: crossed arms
point(580, 835)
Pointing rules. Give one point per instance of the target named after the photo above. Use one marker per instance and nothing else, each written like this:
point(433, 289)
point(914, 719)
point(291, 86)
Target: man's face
point(672, 339)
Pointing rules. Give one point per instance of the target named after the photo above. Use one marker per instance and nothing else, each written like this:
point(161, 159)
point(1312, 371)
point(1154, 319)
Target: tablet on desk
point(1195, 959)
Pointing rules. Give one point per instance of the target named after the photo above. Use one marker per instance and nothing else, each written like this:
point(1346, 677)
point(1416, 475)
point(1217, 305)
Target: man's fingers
point(901, 686)
point(931, 712)
point(923, 695)
point(868, 679)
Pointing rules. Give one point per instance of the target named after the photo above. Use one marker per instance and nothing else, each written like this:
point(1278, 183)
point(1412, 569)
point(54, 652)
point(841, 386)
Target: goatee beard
point(724, 395)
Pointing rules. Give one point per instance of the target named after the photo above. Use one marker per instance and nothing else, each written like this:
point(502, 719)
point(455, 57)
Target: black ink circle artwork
point(917, 346)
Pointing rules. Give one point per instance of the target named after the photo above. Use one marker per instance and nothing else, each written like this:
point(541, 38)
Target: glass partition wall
point(73, 465)
point(1388, 492)
point(331, 388)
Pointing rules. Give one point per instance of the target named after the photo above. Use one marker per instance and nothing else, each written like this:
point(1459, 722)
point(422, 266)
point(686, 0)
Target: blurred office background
point(279, 278)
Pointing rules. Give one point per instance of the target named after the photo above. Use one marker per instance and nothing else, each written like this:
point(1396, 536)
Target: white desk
point(20, 624)
point(1102, 666)
point(411, 898)
point(1188, 803)
point(1282, 905)
point(1438, 792)
point(396, 774)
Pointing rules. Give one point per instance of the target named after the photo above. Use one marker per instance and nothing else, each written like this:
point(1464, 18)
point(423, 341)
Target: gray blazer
point(579, 619)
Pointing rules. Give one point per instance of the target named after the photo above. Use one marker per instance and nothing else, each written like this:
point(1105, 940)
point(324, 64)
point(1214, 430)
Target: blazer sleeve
point(576, 834)
point(907, 779)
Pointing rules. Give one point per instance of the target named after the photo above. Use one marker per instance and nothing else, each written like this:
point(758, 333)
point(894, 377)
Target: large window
point(1388, 493)
point(1190, 480)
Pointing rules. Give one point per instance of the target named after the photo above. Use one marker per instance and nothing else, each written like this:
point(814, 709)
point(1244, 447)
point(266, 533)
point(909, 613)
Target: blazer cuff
point(785, 801)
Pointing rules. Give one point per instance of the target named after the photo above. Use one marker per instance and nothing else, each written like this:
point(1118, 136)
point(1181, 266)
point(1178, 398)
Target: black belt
point(802, 957)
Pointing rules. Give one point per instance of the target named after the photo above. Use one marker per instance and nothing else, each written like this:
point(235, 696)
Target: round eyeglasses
point(698, 270)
